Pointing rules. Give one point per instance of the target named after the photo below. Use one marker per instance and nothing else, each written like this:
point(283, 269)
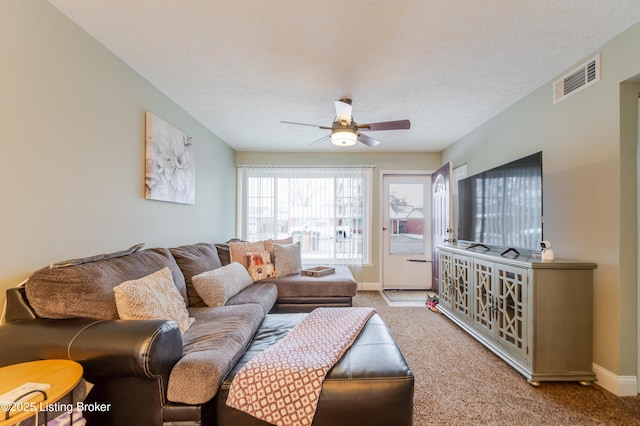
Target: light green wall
point(382, 162)
point(589, 184)
point(73, 156)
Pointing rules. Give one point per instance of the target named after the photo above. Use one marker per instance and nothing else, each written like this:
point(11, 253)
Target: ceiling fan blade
point(305, 124)
point(343, 110)
point(387, 125)
point(322, 139)
point(368, 140)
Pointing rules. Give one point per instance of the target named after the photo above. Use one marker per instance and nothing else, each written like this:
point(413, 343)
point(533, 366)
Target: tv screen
point(502, 207)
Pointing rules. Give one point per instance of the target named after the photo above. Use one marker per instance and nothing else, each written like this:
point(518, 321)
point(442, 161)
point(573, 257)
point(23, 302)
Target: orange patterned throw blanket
point(282, 384)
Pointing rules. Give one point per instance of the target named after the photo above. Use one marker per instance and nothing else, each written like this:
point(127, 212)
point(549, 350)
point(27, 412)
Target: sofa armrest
point(17, 306)
point(108, 348)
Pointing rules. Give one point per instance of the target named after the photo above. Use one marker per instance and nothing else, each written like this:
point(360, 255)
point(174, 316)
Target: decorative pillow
point(217, 286)
point(287, 258)
point(239, 251)
point(268, 244)
point(260, 266)
point(154, 296)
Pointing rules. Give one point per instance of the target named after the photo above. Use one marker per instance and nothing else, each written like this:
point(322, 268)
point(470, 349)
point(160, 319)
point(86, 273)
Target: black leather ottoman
point(371, 385)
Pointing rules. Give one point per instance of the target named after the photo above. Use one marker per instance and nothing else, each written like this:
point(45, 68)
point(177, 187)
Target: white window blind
point(327, 209)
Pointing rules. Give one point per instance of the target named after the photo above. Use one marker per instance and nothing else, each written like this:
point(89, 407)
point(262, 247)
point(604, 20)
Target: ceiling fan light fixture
point(344, 130)
point(344, 137)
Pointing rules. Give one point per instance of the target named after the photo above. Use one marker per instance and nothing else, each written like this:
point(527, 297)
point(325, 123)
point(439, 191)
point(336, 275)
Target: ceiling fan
point(345, 131)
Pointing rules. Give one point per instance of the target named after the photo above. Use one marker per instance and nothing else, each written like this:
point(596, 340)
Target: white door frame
point(638, 246)
point(381, 212)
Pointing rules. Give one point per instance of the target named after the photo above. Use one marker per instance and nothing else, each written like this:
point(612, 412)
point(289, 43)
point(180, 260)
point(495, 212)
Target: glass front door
point(407, 232)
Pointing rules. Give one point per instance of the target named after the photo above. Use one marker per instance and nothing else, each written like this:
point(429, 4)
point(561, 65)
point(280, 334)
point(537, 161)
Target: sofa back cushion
point(224, 253)
point(195, 259)
point(85, 290)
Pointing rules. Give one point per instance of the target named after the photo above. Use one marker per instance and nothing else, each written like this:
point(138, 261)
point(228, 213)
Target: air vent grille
point(578, 79)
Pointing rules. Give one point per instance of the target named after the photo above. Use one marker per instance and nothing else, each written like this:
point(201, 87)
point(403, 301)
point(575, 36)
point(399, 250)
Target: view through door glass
point(406, 201)
point(406, 262)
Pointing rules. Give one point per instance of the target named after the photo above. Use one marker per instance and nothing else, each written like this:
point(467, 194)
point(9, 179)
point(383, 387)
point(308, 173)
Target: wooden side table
point(62, 375)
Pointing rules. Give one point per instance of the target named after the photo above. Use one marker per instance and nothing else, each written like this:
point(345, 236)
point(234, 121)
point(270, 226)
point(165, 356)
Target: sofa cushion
point(264, 294)
point(154, 296)
point(287, 258)
point(86, 290)
point(224, 253)
point(195, 259)
point(217, 286)
point(212, 346)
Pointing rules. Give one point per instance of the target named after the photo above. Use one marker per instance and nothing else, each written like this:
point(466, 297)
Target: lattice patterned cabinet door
point(446, 279)
point(511, 294)
point(484, 302)
point(461, 285)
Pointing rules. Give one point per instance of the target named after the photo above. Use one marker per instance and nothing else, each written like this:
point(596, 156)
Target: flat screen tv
point(502, 207)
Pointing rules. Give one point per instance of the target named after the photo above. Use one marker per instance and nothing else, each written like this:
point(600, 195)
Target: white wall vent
point(583, 76)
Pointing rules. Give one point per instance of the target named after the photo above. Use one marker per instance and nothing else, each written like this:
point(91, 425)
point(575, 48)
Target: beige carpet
point(459, 382)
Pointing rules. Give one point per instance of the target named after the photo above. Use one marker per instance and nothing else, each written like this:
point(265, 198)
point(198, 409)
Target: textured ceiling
point(242, 66)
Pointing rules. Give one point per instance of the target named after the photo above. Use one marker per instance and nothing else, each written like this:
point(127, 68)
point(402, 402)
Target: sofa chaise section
point(301, 293)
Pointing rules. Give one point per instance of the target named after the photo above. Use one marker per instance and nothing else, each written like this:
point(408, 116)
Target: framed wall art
point(170, 163)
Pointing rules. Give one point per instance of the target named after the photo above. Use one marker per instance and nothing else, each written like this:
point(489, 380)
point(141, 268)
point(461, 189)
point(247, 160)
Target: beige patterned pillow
point(154, 296)
point(288, 260)
point(217, 286)
point(268, 244)
point(260, 266)
point(239, 251)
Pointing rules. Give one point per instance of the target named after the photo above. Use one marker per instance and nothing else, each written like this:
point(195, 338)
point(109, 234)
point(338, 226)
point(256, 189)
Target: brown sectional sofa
point(149, 372)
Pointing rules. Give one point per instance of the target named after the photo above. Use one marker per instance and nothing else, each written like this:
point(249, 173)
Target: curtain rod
point(307, 166)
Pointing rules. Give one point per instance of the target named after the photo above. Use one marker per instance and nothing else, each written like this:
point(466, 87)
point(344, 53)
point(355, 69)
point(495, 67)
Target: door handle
point(416, 260)
point(384, 229)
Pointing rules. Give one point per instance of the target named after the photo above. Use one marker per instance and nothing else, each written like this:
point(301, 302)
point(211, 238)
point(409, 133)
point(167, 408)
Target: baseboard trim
point(369, 287)
point(617, 385)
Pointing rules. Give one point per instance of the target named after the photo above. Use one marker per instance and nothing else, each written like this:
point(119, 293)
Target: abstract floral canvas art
point(170, 163)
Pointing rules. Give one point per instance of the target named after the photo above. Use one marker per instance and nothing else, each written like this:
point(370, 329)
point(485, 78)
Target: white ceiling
point(242, 66)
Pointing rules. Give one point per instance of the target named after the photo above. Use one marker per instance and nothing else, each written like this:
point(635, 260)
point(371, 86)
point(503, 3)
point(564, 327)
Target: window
point(326, 209)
